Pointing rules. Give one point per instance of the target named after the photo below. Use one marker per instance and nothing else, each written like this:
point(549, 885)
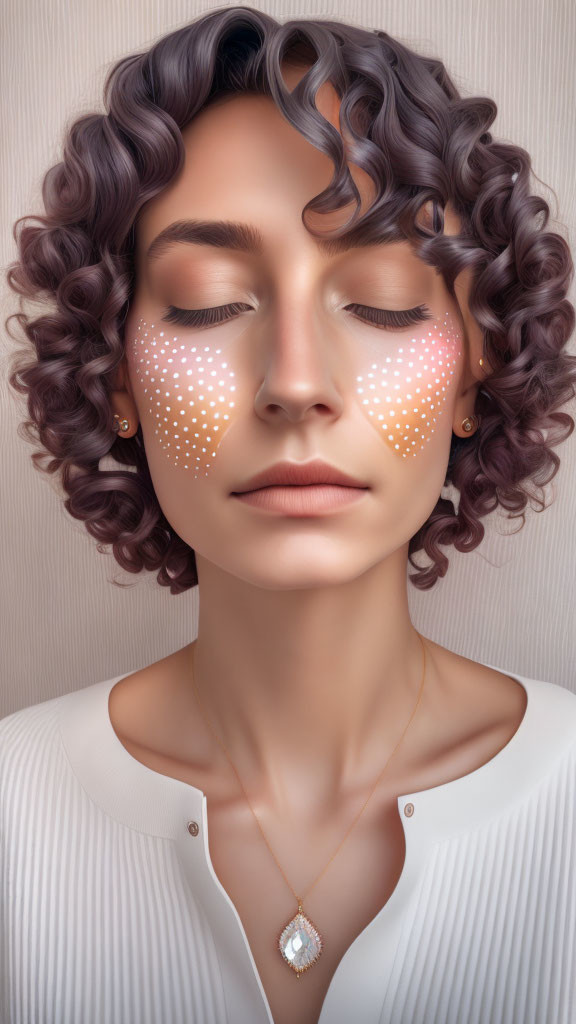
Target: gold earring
point(469, 423)
point(122, 424)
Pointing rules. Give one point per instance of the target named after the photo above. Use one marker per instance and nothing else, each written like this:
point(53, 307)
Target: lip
point(301, 500)
point(300, 474)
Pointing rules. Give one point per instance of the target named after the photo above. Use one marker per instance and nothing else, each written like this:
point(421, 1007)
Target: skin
point(305, 604)
point(307, 661)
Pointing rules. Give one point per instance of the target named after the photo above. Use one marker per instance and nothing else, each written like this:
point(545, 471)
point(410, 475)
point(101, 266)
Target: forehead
point(244, 162)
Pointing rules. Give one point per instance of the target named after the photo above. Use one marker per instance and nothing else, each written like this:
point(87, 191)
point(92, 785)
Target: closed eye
point(214, 315)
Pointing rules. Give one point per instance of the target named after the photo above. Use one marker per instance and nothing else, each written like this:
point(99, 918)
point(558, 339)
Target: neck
point(308, 690)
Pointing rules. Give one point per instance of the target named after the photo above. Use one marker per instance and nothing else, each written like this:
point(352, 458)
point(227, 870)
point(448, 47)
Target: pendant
point(300, 943)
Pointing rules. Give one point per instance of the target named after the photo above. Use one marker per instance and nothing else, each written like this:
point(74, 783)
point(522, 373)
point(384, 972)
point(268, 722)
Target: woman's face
point(301, 370)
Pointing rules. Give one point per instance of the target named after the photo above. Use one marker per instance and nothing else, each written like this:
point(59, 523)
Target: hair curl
point(417, 138)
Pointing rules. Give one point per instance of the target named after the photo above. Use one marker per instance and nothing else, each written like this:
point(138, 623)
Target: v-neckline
point(396, 894)
point(157, 804)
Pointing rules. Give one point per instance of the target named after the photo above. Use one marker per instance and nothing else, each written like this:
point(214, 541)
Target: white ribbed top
point(112, 913)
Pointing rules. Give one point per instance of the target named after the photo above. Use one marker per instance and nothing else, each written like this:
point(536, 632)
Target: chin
point(293, 566)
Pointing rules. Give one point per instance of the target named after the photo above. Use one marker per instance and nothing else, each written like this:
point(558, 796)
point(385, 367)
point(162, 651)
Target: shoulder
point(42, 714)
point(496, 683)
point(545, 716)
point(489, 703)
point(30, 739)
point(39, 783)
point(31, 723)
point(553, 711)
point(28, 723)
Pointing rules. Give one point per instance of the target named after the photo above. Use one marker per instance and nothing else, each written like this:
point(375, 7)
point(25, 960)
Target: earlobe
point(125, 422)
point(466, 422)
point(121, 425)
point(123, 404)
point(470, 423)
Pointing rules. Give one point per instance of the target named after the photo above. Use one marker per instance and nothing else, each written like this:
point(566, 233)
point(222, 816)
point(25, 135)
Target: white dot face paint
point(190, 389)
point(401, 380)
point(405, 380)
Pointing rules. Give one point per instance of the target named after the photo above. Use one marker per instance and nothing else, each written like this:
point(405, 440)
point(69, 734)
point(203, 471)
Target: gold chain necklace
point(299, 942)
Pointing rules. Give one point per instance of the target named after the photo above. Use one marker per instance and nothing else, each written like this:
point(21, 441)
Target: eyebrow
point(225, 234)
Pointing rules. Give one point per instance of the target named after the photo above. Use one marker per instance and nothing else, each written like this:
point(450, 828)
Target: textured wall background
point(510, 603)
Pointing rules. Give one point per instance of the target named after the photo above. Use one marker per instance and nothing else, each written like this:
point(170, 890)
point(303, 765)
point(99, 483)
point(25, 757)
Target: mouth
point(301, 499)
point(315, 471)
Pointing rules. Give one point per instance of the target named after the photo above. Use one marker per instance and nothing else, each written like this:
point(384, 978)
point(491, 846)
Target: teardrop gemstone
point(300, 943)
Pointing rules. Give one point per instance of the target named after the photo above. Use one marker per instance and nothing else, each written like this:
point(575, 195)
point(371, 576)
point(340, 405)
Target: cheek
point(403, 393)
point(189, 391)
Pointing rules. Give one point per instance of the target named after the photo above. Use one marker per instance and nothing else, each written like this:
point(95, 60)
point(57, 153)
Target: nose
point(300, 371)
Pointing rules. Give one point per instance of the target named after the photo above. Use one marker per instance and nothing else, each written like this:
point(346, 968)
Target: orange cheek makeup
point(402, 382)
point(404, 391)
point(190, 390)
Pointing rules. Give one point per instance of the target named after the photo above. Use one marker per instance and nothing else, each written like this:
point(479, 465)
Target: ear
point(474, 372)
point(122, 399)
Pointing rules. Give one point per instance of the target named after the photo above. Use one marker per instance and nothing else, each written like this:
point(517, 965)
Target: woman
point(388, 820)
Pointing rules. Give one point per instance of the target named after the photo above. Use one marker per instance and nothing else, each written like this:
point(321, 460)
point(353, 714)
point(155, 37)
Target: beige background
point(511, 602)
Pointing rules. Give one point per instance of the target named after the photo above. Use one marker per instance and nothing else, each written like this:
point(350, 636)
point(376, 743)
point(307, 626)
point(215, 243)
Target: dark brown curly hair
point(417, 138)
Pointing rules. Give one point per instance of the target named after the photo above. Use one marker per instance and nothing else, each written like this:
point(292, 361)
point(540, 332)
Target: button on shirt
point(111, 911)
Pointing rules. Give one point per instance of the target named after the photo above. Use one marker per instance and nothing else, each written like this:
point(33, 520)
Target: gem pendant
point(300, 943)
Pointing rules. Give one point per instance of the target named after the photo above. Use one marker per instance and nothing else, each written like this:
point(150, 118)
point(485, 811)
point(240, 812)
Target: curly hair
point(417, 138)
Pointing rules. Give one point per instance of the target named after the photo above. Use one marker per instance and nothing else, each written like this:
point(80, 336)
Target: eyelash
point(380, 318)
